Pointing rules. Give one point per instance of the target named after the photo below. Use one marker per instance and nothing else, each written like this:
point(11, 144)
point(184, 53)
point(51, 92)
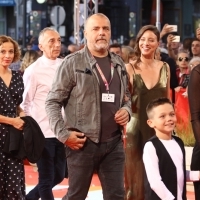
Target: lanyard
point(104, 78)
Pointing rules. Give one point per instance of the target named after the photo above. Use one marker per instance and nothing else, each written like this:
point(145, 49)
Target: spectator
point(29, 57)
point(195, 47)
point(37, 49)
point(194, 62)
point(127, 54)
point(172, 66)
point(182, 71)
point(132, 42)
point(116, 48)
point(72, 48)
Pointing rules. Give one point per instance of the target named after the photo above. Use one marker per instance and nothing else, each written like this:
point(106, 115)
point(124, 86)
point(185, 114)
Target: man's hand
point(122, 117)
point(76, 140)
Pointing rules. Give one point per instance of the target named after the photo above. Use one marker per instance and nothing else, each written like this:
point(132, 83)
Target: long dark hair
point(139, 35)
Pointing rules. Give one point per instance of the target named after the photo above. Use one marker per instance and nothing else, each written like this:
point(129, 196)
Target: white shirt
point(151, 161)
point(38, 78)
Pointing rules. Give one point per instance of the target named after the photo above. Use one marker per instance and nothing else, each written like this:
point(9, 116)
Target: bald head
point(94, 16)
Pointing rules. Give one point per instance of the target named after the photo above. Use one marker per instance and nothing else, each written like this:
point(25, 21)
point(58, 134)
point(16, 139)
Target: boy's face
point(163, 119)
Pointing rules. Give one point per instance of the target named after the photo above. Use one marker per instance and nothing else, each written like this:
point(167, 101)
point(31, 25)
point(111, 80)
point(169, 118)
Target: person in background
point(116, 48)
point(194, 105)
point(127, 54)
point(173, 47)
point(187, 42)
point(29, 57)
point(172, 66)
point(193, 63)
point(182, 71)
point(37, 49)
point(132, 42)
point(28, 47)
point(92, 84)
point(164, 155)
point(12, 178)
point(149, 79)
point(38, 79)
point(195, 47)
point(72, 48)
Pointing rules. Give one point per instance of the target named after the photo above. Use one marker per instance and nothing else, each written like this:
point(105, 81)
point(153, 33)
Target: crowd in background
point(155, 65)
point(170, 52)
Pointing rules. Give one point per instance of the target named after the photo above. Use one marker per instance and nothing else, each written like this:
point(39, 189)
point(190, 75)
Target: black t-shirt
point(109, 128)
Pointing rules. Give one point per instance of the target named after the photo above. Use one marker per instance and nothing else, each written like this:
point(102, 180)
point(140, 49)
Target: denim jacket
point(76, 88)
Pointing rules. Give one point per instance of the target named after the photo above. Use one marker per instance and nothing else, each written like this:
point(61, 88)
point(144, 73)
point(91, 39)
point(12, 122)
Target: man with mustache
point(37, 81)
point(92, 85)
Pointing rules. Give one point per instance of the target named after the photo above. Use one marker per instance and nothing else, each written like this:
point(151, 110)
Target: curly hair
point(29, 57)
point(17, 52)
point(139, 35)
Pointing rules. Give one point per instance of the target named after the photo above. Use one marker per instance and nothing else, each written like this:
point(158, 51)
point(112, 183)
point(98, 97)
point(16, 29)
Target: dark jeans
point(51, 170)
point(106, 159)
point(195, 165)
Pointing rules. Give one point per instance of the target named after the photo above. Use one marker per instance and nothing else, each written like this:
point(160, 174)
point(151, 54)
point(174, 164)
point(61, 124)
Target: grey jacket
point(76, 88)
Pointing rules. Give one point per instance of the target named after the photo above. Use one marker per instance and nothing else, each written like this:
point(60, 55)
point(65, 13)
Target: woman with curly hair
point(12, 183)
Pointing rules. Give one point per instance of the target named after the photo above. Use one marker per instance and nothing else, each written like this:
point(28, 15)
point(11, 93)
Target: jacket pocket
point(87, 71)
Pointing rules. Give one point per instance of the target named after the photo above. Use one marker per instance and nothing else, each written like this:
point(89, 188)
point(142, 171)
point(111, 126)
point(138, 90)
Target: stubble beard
point(101, 47)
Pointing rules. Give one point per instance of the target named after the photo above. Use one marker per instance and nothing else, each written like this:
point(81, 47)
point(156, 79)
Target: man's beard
point(101, 47)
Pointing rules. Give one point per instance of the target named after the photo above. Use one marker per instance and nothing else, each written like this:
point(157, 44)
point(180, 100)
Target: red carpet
point(60, 190)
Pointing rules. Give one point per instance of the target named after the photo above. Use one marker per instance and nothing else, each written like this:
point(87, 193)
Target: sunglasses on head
point(186, 59)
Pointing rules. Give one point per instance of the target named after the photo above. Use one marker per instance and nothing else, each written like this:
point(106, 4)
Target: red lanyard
point(103, 77)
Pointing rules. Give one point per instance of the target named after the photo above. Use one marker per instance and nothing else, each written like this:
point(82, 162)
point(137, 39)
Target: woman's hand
point(166, 29)
point(18, 123)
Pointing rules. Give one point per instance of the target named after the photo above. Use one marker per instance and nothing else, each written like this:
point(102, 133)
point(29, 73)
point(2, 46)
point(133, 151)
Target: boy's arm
point(150, 160)
point(192, 175)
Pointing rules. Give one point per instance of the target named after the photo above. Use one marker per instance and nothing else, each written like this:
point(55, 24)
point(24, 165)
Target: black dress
point(194, 104)
point(12, 180)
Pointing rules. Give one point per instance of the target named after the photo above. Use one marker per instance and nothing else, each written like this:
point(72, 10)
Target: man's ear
point(40, 47)
point(85, 34)
point(150, 123)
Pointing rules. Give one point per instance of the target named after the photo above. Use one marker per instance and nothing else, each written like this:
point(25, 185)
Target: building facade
point(126, 16)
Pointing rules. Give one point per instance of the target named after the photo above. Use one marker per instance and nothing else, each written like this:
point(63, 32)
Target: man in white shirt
point(38, 79)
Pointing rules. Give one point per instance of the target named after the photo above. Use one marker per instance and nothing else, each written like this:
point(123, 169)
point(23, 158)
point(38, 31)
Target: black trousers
point(195, 165)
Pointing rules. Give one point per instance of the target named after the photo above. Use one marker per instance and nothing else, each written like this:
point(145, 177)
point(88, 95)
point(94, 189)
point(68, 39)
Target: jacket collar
point(114, 58)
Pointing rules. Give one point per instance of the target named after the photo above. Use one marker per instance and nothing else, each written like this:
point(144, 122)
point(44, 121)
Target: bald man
point(92, 86)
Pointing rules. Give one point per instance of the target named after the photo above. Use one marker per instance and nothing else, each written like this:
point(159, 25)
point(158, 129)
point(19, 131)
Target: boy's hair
point(157, 102)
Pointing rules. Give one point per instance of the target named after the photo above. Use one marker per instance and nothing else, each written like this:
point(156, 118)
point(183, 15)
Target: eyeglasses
point(181, 59)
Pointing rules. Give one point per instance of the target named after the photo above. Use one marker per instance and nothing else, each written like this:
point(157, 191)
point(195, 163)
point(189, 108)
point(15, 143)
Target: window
point(2, 21)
